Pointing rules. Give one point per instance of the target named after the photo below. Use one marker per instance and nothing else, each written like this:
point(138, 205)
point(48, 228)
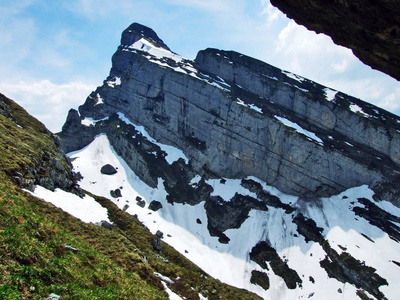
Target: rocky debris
point(108, 170)
point(262, 253)
point(50, 173)
point(260, 278)
point(116, 193)
point(159, 234)
point(349, 24)
point(140, 202)
point(198, 221)
point(126, 206)
point(157, 244)
point(104, 224)
point(155, 205)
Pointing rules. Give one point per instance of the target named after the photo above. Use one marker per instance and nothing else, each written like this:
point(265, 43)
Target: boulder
point(108, 170)
point(116, 193)
point(155, 205)
point(140, 202)
point(104, 224)
point(156, 243)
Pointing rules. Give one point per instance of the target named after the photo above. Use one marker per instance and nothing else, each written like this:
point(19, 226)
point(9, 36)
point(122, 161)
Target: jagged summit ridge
point(136, 32)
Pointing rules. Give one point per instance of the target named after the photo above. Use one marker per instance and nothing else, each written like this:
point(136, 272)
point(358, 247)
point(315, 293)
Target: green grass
point(35, 263)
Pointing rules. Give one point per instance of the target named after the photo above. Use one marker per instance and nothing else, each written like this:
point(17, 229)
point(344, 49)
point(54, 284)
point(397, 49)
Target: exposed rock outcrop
point(43, 162)
point(371, 29)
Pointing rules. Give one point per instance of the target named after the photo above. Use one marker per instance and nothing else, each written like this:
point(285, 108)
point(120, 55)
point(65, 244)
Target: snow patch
point(227, 188)
point(293, 76)
point(301, 130)
point(356, 109)
point(99, 99)
point(195, 180)
point(91, 121)
point(86, 209)
point(330, 94)
point(164, 278)
point(173, 153)
point(114, 82)
point(251, 106)
point(158, 52)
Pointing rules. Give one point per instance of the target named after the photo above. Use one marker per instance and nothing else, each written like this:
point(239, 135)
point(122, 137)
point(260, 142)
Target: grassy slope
point(117, 264)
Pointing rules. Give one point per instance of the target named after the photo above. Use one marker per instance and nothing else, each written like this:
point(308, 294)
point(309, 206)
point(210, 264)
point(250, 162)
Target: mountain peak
point(137, 31)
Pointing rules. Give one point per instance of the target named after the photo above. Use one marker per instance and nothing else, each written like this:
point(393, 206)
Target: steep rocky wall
point(370, 28)
point(225, 112)
point(308, 101)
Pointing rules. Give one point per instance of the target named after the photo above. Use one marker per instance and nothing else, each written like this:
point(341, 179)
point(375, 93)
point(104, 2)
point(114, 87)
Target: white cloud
point(391, 102)
point(308, 53)
point(271, 12)
point(47, 101)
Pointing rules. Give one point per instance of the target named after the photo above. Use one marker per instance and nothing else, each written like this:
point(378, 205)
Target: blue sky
point(53, 53)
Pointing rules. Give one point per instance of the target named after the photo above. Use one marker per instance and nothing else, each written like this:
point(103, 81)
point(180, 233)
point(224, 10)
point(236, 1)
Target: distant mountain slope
point(265, 179)
point(45, 250)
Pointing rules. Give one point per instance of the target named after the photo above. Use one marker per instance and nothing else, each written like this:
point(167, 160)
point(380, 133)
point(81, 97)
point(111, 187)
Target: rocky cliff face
point(228, 136)
point(234, 116)
point(371, 29)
